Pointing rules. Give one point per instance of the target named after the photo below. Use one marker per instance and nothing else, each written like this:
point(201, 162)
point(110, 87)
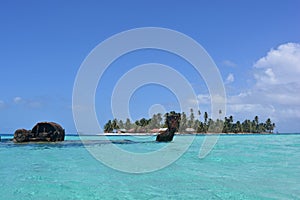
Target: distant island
point(191, 125)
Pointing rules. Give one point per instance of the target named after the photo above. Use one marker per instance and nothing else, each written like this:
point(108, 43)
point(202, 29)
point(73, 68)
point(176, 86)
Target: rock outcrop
point(41, 132)
point(173, 121)
point(22, 135)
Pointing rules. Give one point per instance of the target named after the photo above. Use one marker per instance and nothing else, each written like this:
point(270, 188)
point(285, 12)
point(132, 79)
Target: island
point(161, 124)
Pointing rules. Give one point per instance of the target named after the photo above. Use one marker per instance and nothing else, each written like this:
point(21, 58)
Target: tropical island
point(191, 125)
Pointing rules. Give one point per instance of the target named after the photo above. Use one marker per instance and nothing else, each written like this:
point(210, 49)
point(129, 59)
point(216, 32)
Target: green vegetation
point(191, 124)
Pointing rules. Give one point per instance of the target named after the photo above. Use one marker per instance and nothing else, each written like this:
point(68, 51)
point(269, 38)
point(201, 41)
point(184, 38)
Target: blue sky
point(255, 45)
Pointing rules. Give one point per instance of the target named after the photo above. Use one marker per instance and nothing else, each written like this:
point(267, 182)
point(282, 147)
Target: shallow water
point(239, 167)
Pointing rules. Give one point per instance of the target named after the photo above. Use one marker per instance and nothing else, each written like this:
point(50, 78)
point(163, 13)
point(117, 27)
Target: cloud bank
point(275, 92)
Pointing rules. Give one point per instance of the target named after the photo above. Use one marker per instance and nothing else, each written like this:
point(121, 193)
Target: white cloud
point(249, 110)
point(204, 99)
point(229, 63)
point(275, 93)
point(29, 103)
point(277, 75)
point(279, 66)
point(17, 100)
point(230, 78)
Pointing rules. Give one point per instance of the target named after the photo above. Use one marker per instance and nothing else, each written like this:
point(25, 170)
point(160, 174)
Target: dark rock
point(41, 132)
point(48, 131)
point(21, 135)
point(173, 121)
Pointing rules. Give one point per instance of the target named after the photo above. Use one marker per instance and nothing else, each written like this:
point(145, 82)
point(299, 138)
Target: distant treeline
point(191, 124)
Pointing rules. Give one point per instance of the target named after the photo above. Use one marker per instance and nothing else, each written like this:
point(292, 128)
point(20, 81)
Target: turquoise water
point(239, 167)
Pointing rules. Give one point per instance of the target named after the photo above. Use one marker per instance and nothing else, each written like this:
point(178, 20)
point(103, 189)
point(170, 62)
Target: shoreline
point(179, 134)
point(9, 137)
point(155, 134)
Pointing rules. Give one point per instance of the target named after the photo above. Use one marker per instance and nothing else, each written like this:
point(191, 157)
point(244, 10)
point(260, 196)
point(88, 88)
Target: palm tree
point(205, 117)
point(121, 124)
point(269, 126)
point(246, 125)
point(238, 128)
point(230, 124)
point(114, 124)
point(108, 127)
point(183, 122)
point(272, 127)
point(159, 118)
point(255, 125)
point(256, 119)
point(128, 124)
point(192, 118)
point(226, 126)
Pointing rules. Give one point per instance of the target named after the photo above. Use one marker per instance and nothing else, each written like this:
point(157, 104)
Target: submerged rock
point(41, 132)
point(173, 121)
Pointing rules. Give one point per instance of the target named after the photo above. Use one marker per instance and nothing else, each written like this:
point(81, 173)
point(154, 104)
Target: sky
point(255, 45)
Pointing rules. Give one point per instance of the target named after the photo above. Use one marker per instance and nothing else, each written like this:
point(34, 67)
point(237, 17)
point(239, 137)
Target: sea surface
point(238, 167)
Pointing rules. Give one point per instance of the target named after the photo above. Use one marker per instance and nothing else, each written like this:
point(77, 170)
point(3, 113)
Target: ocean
point(238, 167)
